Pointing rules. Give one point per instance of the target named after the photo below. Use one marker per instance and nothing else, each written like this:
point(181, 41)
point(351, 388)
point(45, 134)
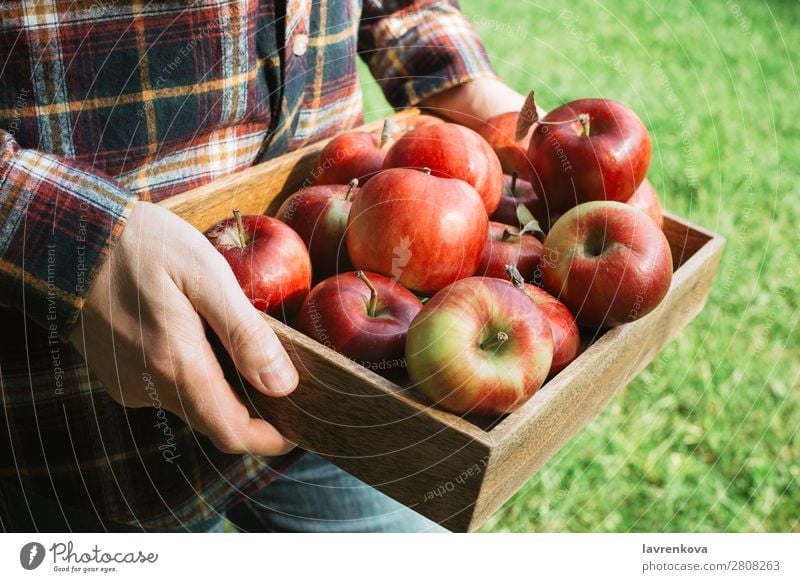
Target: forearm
point(473, 103)
point(58, 220)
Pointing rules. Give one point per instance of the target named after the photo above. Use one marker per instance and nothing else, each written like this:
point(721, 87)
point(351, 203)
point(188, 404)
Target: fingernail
point(280, 377)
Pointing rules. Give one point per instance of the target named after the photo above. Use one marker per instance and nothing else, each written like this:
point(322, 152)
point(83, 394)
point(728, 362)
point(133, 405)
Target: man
point(107, 107)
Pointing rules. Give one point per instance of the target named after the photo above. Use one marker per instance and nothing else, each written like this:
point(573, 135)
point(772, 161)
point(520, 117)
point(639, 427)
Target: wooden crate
point(456, 471)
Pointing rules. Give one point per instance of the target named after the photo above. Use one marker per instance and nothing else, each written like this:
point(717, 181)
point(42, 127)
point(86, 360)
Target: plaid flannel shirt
point(103, 102)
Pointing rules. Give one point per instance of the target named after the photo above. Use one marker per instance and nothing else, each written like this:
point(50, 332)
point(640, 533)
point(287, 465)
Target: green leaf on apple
point(527, 220)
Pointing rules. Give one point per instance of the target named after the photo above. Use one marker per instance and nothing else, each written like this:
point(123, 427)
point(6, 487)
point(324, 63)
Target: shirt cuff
point(422, 49)
point(58, 221)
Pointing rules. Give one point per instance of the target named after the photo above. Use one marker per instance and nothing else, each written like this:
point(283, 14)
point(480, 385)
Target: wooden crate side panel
point(535, 433)
point(685, 239)
point(365, 425)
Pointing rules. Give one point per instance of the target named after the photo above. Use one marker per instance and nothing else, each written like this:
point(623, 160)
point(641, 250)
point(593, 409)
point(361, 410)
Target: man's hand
point(473, 103)
point(143, 320)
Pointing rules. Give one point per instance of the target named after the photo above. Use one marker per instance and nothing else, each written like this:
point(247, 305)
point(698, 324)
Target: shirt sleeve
point(417, 48)
point(58, 220)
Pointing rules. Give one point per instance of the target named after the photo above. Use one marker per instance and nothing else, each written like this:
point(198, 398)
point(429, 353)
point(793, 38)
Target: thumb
point(245, 333)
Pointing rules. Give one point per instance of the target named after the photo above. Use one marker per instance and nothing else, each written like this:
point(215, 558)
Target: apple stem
point(426, 171)
point(386, 133)
point(515, 277)
point(514, 184)
point(495, 342)
point(352, 186)
point(243, 239)
point(373, 293)
point(584, 119)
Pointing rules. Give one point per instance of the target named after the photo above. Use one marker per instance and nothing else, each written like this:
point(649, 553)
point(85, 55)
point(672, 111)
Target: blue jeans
point(312, 496)
point(316, 496)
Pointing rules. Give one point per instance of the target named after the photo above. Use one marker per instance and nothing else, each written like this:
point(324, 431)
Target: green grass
point(707, 438)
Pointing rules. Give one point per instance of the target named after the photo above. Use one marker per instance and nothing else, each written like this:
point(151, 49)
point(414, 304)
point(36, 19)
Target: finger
point(208, 404)
point(246, 335)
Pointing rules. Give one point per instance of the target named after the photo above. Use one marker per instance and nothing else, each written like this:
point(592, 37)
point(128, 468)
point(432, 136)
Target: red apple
point(451, 151)
point(499, 132)
point(269, 260)
point(353, 155)
point(479, 346)
point(589, 149)
point(516, 192)
point(423, 231)
point(319, 215)
point(365, 317)
point(608, 262)
point(646, 200)
point(566, 336)
point(505, 246)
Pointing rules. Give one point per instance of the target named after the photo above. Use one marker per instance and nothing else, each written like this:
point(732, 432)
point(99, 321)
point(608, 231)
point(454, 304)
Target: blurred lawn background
point(707, 437)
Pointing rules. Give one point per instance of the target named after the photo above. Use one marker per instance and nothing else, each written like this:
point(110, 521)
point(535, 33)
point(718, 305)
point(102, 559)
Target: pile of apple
point(465, 261)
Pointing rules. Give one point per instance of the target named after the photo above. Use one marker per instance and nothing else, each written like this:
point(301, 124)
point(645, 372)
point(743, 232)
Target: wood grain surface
point(456, 471)
point(368, 426)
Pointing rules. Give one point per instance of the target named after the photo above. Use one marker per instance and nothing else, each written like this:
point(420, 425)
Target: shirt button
point(300, 45)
